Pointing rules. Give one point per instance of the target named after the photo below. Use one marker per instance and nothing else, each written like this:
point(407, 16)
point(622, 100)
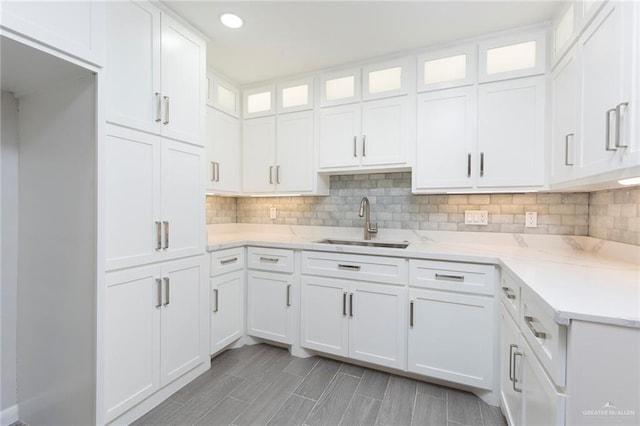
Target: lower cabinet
point(269, 306)
point(227, 309)
point(154, 329)
point(360, 320)
point(451, 337)
point(510, 388)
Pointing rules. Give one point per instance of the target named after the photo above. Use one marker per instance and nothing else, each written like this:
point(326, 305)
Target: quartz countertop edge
point(569, 286)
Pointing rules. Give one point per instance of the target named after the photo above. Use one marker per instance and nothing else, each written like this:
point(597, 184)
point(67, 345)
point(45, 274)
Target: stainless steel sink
point(401, 245)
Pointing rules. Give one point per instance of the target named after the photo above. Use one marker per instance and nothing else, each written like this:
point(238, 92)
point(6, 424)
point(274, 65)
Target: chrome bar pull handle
point(539, 334)
point(607, 138)
point(618, 113)
point(278, 175)
point(411, 314)
point(351, 305)
point(269, 259)
point(515, 379)
point(159, 293)
point(158, 107)
point(228, 261)
point(355, 151)
point(364, 145)
point(166, 235)
point(213, 172)
point(481, 164)
point(167, 286)
point(348, 267)
point(469, 165)
point(509, 293)
point(566, 149)
point(344, 304)
point(215, 294)
point(289, 295)
point(217, 172)
point(448, 277)
point(511, 372)
point(271, 175)
point(158, 235)
point(166, 110)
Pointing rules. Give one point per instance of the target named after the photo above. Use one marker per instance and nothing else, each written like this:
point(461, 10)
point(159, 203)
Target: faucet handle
point(373, 229)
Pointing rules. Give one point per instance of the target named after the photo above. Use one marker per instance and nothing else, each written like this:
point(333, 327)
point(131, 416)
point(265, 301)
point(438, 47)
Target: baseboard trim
point(9, 415)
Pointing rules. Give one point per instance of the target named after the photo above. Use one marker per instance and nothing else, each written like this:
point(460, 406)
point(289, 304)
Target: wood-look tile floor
point(264, 385)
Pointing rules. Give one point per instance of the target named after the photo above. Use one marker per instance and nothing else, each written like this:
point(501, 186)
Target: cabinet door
point(227, 309)
point(133, 54)
point(378, 324)
point(269, 306)
point(444, 328)
point(564, 111)
point(446, 139)
point(340, 136)
point(223, 152)
point(384, 131)
point(182, 199)
point(607, 52)
point(183, 83)
point(183, 330)
point(259, 155)
point(131, 338)
point(324, 314)
point(294, 165)
point(510, 392)
point(132, 187)
point(511, 133)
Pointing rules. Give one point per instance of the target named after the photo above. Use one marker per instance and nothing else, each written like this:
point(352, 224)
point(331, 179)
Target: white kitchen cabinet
point(223, 144)
point(514, 56)
point(154, 199)
point(227, 309)
point(360, 320)
point(154, 329)
point(74, 28)
point(223, 96)
point(564, 118)
point(511, 133)
point(446, 143)
point(296, 95)
point(156, 72)
point(269, 306)
point(373, 133)
point(443, 326)
point(340, 87)
point(388, 79)
point(444, 69)
point(278, 153)
point(606, 53)
point(259, 101)
point(510, 389)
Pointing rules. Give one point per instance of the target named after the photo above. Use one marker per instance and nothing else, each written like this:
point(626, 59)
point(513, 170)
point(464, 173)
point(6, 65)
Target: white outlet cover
point(530, 219)
point(273, 213)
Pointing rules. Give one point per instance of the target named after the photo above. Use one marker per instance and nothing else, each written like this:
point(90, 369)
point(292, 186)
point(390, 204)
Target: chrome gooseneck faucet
point(364, 211)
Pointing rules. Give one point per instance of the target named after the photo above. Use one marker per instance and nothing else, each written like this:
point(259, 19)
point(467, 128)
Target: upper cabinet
point(259, 101)
point(223, 95)
point(73, 28)
point(443, 69)
point(387, 79)
point(296, 95)
point(511, 57)
point(224, 147)
point(155, 73)
point(340, 87)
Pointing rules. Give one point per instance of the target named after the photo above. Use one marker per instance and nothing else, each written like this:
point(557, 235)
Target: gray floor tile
point(293, 411)
point(269, 401)
point(334, 401)
point(373, 384)
point(352, 370)
point(463, 407)
point(429, 411)
point(362, 411)
point(157, 415)
point(397, 404)
point(491, 416)
point(201, 403)
point(224, 413)
point(433, 390)
point(218, 368)
point(259, 379)
point(255, 362)
point(318, 379)
point(301, 366)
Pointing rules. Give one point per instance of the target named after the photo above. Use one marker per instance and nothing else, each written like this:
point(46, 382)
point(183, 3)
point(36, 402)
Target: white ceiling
point(295, 37)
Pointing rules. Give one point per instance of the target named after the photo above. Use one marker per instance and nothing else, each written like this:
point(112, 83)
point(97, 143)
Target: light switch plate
point(476, 217)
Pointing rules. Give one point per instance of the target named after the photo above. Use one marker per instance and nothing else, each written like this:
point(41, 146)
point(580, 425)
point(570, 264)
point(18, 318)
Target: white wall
point(9, 249)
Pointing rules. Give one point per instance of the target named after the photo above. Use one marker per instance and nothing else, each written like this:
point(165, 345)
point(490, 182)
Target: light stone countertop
point(578, 278)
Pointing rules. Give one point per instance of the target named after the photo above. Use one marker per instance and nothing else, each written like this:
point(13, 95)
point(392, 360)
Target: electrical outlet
point(476, 217)
point(273, 213)
point(530, 219)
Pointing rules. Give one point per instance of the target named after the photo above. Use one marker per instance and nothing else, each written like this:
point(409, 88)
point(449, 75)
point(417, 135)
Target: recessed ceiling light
point(230, 20)
point(630, 181)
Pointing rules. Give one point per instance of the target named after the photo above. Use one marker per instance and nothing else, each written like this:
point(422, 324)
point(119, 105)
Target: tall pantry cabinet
point(156, 291)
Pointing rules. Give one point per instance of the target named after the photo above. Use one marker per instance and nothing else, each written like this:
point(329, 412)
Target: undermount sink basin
point(401, 245)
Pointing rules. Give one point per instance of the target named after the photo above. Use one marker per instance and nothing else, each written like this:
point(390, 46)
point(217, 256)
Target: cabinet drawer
point(223, 261)
point(356, 267)
point(510, 291)
point(547, 339)
point(269, 259)
point(461, 277)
